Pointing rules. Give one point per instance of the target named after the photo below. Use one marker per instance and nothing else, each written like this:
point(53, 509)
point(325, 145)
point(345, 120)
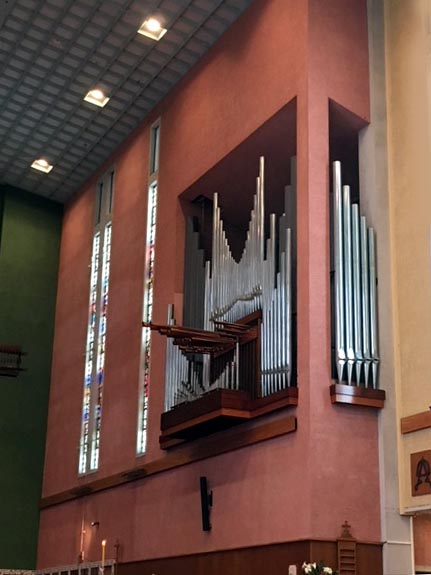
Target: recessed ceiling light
point(153, 25)
point(42, 165)
point(96, 97)
point(152, 29)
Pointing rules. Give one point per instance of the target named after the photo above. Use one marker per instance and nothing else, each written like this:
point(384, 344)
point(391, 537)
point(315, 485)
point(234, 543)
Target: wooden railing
point(10, 360)
point(89, 568)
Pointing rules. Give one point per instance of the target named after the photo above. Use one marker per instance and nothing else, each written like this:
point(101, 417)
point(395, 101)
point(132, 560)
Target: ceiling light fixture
point(96, 97)
point(42, 165)
point(152, 29)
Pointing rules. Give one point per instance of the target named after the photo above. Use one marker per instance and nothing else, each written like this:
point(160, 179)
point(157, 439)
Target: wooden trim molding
point(357, 395)
point(272, 559)
point(216, 444)
point(416, 422)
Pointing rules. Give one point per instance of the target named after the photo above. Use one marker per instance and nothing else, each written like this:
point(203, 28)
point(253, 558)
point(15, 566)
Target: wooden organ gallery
point(240, 338)
point(235, 417)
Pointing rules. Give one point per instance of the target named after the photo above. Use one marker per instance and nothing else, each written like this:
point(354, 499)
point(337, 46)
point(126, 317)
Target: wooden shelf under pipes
point(357, 395)
point(218, 410)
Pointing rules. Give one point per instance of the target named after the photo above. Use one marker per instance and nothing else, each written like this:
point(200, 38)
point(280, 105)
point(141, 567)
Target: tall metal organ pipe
point(355, 292)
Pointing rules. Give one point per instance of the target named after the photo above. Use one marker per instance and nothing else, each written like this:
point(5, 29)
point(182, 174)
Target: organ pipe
point(355, 294)
point(261, 280)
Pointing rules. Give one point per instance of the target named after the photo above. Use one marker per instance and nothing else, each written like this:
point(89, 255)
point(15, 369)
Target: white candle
point(103, 554)
point(81, 547)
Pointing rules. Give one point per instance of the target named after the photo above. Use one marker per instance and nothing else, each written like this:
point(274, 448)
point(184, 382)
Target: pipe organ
point(242, 338)
point(355, 298)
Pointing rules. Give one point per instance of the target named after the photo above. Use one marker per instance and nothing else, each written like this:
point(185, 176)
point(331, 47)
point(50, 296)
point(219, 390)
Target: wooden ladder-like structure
point(346, 550)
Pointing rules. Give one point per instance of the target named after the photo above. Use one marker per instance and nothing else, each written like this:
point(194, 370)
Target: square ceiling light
point(96, 97)
point(152, 29)
point(42, 165)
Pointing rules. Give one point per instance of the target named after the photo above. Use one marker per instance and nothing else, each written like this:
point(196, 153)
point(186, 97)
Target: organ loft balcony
point(220, 383)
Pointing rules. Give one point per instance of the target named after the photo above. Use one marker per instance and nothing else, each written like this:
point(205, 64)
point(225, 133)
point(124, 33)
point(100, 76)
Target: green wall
point(30, 229)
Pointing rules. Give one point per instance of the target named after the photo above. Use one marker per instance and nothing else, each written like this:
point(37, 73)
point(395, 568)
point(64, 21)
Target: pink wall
point(341, 440)
point(303, 485)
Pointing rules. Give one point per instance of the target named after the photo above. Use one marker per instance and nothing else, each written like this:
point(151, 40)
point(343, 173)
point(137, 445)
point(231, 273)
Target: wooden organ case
point(233, 360)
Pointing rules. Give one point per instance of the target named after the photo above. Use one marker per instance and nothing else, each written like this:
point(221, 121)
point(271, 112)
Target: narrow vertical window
point(96, 330)
point(148, 289)
point(154, 150)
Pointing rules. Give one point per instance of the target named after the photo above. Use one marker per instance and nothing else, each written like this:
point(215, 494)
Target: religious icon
point(421, 473)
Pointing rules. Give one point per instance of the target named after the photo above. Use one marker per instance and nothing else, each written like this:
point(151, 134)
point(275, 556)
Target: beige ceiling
point(52, 52)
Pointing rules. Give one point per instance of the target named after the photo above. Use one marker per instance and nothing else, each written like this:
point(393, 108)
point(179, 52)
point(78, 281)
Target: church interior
point(215, 287)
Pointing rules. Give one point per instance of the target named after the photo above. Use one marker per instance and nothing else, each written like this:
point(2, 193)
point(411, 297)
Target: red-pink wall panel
point(303, 485)
point(67, 378)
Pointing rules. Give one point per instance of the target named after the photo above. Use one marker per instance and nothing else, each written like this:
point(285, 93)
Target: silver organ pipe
point(355, 291)
point(373, 307)
point(348, 308)
point(261, 280)
point(183, 375)
point(339, 272)
point(365, 292)
point(357, 317)
point(170, 372)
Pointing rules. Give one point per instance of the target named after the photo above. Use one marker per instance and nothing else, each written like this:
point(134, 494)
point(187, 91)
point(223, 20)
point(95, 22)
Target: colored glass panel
point(147, 317)
point(96, 331)
point(89, 355)
point(101, 345)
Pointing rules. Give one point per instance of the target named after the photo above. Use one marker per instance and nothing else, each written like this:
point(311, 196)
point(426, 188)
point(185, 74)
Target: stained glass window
point(147, 316)
point(96, 330)
point(148, 290)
